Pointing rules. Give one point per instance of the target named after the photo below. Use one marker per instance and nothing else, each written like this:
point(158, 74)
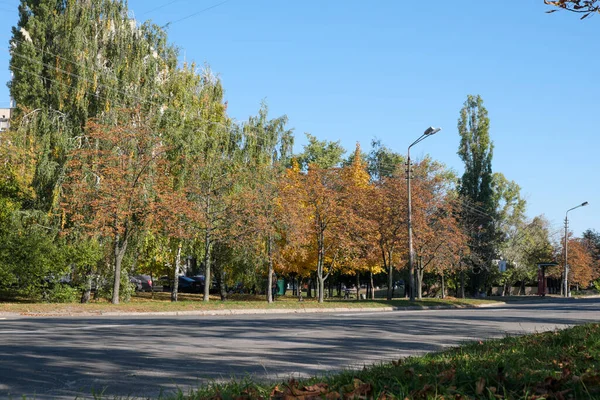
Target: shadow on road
point(139, 356)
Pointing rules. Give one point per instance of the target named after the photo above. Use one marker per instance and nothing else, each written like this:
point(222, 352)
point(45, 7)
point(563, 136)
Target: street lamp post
point(566, 271)
point(411, 268)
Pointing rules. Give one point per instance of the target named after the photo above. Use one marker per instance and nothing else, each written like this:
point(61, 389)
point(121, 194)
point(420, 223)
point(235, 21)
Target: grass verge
point(553, 365)
point(191, 302)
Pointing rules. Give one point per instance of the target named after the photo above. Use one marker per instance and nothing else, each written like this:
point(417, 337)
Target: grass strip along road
point(551, 365)
point(143, 302)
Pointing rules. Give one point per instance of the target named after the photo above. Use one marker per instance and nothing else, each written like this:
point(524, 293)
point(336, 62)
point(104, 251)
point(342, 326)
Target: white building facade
point(5, 114)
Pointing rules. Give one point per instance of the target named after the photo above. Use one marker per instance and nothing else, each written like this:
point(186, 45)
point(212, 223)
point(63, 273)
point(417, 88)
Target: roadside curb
point(258, 311)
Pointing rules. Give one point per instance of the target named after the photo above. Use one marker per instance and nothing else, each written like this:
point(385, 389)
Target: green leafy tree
point(266, 151)
point(72, 61)
point(383, 162)
point(476, 187)
point(212, 168)
point(321, 153)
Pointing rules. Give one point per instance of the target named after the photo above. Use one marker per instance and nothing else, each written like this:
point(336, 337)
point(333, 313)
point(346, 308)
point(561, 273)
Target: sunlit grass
point(160, 302)
point(552, 365)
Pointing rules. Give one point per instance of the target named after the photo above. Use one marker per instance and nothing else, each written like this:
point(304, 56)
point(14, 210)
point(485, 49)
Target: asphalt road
point(139, 355)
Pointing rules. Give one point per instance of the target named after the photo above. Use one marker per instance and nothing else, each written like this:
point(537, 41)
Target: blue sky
point(352, 70)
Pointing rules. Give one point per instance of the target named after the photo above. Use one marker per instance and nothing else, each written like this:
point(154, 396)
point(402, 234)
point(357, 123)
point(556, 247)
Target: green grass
point(552, 365)
point(192, 302)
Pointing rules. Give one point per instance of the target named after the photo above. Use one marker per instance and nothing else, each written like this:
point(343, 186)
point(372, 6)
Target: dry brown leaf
point(397, 363)
point(480, 386)
point(361, 390)
point(446, 376)
point(424, 392)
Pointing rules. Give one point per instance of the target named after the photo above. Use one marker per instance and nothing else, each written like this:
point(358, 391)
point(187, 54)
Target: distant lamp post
point(566, 271)
point(411, 268)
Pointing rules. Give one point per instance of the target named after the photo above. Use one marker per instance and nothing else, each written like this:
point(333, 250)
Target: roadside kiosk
point(542, 280)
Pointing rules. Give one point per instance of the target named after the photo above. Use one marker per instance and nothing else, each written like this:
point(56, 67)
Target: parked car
point(143, 283)
point(184, 284)
point(199, 279)
point(188, 285)
point(214, 288)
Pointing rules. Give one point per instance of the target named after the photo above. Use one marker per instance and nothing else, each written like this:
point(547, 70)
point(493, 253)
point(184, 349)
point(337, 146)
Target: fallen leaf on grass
point(249, 394)
point(479, 386)
point(446, 376)
point(357, 390)
point(424, 392)
point(293, 391)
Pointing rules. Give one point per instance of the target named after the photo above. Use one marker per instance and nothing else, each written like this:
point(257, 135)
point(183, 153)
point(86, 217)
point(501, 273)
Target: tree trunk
point(390, 291)
point(462, 284)
point(419, 280)
point(309, 288)
point(270, 282)
point(443, 287)
point(119, 252)
point(562, 290)
point(320, 261)
point(97, 292)
point(372, 285)
point(87, 292)
point(321, 289)
point(152, 288)
point(522, 288)
point(222, 283)
point(175, 287)
point(299, 288)
point(207, 257)
point(357, 286)
point(388, 265)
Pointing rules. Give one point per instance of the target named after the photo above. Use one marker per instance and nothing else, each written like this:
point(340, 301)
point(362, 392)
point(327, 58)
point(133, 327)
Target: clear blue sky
point(352, 70)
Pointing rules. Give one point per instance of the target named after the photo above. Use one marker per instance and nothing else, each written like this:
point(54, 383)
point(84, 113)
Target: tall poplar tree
point(476, 151)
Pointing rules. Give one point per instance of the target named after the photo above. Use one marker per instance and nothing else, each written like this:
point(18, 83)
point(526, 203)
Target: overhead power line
point(159, 7)
point(194, 14)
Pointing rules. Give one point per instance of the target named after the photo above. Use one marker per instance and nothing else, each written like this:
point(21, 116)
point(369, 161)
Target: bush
point(62, 293)
point(126, 290)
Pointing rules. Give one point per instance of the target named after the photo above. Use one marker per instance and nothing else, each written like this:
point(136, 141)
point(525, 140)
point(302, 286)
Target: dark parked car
point(143, 283)
point(185, 285)
point(199, 279)
point(214, 288)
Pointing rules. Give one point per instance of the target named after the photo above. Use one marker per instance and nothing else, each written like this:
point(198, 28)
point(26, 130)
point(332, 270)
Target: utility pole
point(566, 292)
point(411, 268)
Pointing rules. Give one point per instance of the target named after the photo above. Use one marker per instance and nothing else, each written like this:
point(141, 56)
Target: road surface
point(66, 357)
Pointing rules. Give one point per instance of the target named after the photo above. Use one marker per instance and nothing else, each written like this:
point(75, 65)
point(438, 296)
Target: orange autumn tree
point(387, 211)
point(356, 243)
point(315, 204)
point(112, 183)
point(437, 233)
point(581, 264)
point(440, 243)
